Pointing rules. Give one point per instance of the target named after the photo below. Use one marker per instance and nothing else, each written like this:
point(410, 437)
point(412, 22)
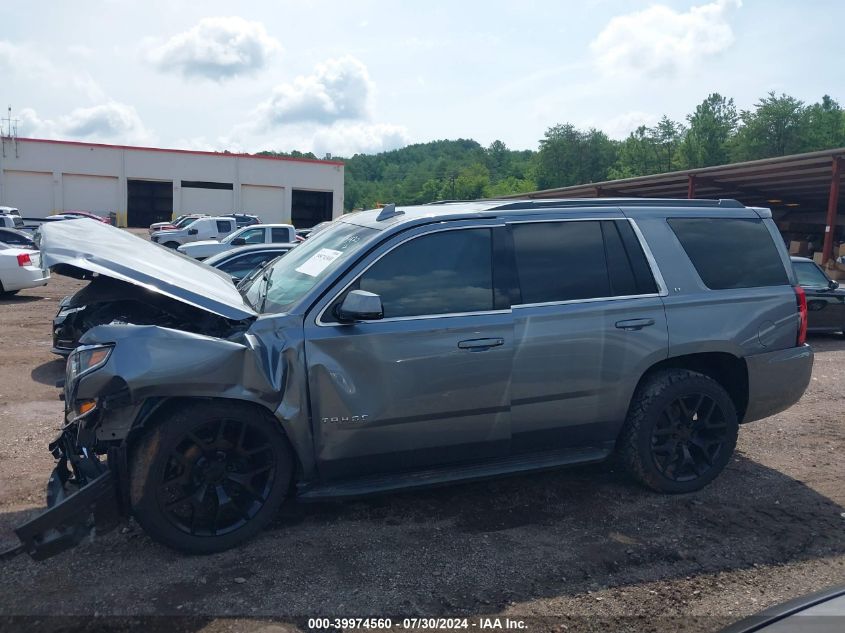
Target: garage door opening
point(149, 201)
point(309, 208)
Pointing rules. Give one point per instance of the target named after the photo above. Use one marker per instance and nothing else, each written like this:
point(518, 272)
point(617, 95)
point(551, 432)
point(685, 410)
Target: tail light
point(801, 299)
point(24, 259)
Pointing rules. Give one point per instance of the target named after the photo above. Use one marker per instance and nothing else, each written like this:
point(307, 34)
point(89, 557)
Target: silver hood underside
point(96, 247)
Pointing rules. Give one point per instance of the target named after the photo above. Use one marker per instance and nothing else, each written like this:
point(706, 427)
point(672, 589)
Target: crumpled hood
point(95, 247)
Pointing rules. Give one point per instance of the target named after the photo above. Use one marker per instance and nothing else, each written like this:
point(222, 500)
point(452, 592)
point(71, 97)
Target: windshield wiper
point(265, 289)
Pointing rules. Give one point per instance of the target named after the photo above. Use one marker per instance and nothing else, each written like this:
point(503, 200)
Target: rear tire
point(680, 432)
point(173, 245)
point(210, 476)
point(7, 293)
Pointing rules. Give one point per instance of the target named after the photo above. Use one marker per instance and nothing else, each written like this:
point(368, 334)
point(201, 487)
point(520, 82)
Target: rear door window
point(281, 235)
point(560, 261)
point(224, 226)
point(730, 252)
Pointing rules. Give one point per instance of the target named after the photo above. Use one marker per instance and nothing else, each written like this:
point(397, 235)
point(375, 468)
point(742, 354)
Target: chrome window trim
point(319, 320)
point(662, 288)
point(590, 300)
point(652, 263)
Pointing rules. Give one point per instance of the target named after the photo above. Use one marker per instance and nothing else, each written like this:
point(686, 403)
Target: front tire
point(210, 476)
point(680, 433)
point(173, 245)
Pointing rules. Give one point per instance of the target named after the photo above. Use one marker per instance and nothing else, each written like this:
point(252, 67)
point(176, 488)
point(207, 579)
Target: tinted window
point(730, 252)
point(440, 273)
point(560, 261)
point(9, 237)
point(253, 236)
point(809, 274)
point(622, 280)
point(223, 226)
point(281, 235)
point(242, 265)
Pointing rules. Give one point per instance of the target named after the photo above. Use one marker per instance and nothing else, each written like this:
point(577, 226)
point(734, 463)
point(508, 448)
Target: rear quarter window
point(730, 252)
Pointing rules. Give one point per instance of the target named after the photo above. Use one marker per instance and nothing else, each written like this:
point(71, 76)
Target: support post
point(691, 186)
point(832, 202)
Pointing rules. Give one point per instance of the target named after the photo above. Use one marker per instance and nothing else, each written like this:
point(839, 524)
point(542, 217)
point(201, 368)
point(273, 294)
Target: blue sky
point(370, 75)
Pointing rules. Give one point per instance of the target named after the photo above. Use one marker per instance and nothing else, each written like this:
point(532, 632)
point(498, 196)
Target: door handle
point(634, 324)
point(479, 344)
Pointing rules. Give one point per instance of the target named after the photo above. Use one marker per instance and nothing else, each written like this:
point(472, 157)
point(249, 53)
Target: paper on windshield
point(318, 262)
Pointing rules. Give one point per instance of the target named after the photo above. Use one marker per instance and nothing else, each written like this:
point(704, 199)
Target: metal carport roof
point(799, 187)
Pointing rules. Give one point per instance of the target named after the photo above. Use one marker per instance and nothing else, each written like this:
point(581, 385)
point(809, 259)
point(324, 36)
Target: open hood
point(86, 245)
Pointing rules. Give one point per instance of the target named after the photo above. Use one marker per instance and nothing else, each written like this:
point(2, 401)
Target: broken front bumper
point(82, 499)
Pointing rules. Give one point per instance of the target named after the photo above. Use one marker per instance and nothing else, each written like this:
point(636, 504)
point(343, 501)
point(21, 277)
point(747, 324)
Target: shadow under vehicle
point(403, 348)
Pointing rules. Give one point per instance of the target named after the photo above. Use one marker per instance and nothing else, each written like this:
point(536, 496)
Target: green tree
point(825, 125)
point(776, 127)
point(710, 128)
point(568, 156)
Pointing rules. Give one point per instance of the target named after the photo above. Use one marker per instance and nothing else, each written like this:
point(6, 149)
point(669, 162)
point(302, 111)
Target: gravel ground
point(577, 549)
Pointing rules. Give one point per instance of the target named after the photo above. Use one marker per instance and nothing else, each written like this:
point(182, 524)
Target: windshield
point(183, 221)
point(292, 276)
point(809, 274)
point(249, 234)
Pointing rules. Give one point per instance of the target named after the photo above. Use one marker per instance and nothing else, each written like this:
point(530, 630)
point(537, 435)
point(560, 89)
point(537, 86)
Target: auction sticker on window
point(318, 262)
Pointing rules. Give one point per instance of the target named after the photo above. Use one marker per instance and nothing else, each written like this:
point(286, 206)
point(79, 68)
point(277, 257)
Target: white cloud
point(112, 122)
point(347, 139)
point(662, 41)
point(338, 89)
point(217, 48)
point(20, 59)
point(619, 127)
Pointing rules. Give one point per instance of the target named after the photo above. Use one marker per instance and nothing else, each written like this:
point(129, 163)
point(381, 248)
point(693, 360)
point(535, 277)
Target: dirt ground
point(578, 549)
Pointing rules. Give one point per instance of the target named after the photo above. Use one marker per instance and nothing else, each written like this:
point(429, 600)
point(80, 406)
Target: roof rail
point(725, 203)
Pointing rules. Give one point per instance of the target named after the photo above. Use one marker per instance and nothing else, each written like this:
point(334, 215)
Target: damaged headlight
point(87, 358)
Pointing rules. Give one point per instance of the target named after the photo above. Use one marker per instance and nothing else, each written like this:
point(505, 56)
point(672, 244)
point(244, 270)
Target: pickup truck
point(210, 228)
point(256, 234)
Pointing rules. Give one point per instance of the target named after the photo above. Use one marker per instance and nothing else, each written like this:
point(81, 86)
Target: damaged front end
point(82, 500)
point(83, 495)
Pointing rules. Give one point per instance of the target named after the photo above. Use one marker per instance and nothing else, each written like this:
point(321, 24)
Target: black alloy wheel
point(687, 438)
point(210, 474)
point(217, 478)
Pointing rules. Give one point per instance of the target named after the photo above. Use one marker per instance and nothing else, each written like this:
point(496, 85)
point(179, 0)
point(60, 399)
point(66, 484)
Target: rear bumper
point(777, 380)
point(25, 277)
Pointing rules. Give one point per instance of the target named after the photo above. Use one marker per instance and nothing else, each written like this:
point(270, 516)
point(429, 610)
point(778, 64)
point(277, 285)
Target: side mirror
point(360, 305)
point(193, 231)
point(832, 284)
point(238, 241)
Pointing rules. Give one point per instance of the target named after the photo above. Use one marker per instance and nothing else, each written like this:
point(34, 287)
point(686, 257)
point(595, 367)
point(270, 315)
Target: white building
point(145, 185)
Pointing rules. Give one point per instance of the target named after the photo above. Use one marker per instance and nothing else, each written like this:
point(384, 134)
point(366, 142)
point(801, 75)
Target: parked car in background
point(239, 262)
point(13, 237)
point(87, 214)
point(20, 268)
point(11, 218)
point(244, 219)
point(407, 347)
point(820, 612)
point(256, 234)
point(178, 223)
point(825, 299)
point(205, 228)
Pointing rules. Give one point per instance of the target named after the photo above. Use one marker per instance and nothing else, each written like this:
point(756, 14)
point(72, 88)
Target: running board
point(443, 475)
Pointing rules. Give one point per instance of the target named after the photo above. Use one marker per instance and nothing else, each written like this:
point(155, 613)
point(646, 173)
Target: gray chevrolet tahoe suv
point(413, 346)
